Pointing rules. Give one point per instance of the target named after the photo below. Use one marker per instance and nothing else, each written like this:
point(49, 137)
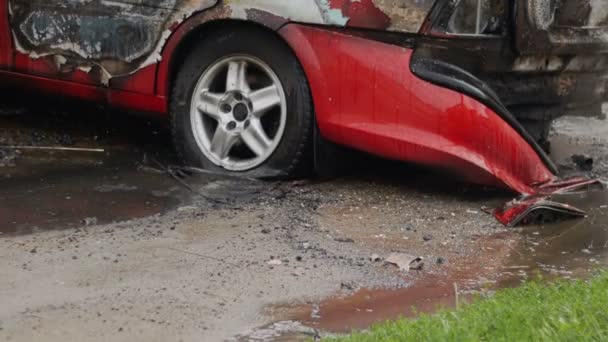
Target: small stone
point(405, 262)
point(375, 258)
point(90, 221)
point(66, 139)
point(74, 257)
point(440, 261)
point(266, 231)
point(298, 258)
point(274, 262)
point(34, 250)
point(583, 162)
point(427, 237)
point(347, 286)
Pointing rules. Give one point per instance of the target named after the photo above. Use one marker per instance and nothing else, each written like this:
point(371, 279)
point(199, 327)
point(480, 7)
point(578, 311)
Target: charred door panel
point(102, 38)
point(93, 41)
point(6, 48)
point(564, 26)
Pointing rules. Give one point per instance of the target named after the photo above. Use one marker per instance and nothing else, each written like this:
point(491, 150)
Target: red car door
point(6, 48)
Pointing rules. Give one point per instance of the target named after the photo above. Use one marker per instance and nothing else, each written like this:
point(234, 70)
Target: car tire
point(230, 126)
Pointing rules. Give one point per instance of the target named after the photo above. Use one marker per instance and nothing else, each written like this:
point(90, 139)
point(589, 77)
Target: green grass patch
point(561, 311)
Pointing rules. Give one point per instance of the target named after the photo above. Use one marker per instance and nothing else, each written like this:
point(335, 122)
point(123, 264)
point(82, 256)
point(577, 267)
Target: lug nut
point(226, 108)
point(231, 125)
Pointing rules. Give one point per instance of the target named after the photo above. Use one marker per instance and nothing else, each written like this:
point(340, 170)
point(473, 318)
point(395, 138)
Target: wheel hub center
point(240, 112)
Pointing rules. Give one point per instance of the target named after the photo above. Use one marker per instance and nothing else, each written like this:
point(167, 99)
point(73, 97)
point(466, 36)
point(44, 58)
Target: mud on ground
point(113, 245)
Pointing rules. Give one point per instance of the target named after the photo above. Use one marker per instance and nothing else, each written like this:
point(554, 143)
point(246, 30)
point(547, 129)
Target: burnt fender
point(367, 97)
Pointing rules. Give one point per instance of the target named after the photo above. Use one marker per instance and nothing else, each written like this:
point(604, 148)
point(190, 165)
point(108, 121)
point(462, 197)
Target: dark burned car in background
point(261, 87)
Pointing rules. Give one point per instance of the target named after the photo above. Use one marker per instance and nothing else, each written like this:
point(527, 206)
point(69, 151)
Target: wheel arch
point(189, 32)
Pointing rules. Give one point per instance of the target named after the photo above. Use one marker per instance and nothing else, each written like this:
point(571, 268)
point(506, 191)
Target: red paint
point(46, 67)
point(142, 81)
point(118, 98)
point(6, 40)
point(367, 98)
point(520, 210)
point(362, 13)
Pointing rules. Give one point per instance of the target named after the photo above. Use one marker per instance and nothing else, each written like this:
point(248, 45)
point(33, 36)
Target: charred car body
point(254, 87)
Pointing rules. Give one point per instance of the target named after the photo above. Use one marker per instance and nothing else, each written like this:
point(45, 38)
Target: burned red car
point(259, 87)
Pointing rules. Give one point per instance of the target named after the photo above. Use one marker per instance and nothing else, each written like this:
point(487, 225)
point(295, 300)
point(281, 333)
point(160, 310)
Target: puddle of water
point(51, 189)
point(426, 294)
point(573, 248)
point(67, 190)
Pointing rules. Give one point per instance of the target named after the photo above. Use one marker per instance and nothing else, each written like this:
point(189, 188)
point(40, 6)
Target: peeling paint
point(331, 15)
point(118, 37)
point(111, 38)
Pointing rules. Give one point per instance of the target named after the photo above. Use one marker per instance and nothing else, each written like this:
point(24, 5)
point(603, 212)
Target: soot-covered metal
point(119, 37)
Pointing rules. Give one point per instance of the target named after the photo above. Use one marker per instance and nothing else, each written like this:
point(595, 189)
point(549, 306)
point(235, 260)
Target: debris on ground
point(345, 240)
point(12, 111)
point(375, 258)
point(405, 262)
point(347, 286)
point(7, 157)
point(56, 148)
point(89, 221)
point(583, 162)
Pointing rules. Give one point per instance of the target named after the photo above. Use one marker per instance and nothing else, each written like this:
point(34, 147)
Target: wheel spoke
point(210, 104)
point(255, 138)
point(222, 142)
point(264, 99)
point(237, 77)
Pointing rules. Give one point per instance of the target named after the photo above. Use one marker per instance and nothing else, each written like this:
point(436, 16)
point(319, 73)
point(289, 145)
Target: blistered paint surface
point(118, 37)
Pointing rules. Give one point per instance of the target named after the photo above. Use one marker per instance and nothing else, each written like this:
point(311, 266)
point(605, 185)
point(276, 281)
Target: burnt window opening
point(477, 17)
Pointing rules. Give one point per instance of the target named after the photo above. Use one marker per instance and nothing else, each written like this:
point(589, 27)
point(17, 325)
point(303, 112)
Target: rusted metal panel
point(111, 38)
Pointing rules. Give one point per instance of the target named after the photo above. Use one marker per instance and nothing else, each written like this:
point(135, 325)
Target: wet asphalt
point(109, 239)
